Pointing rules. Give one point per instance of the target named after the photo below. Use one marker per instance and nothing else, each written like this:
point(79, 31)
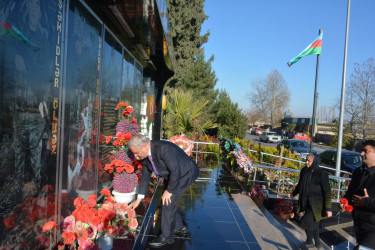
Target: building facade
point(64, 66)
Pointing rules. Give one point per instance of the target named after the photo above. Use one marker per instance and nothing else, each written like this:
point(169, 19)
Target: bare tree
point(270, 96)
point(253, 116)
point(360, 98)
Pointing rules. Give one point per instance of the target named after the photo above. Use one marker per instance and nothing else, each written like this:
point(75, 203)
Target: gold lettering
point(57, 71)
point(53, 150)
point(54, 115)
point(57, 63)
point(57, 51)
point(54, 139)
point(58, 27)
point(59, 16)
point(56, 82)
point(55, 103)
point(54, 127)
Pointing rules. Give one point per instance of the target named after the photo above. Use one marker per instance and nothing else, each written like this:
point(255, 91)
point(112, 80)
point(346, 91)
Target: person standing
point(169, 161)
point(361, 195)
point(314, 201)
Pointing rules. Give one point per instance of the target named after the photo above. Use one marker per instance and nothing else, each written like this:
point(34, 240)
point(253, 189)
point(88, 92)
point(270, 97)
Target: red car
point(302, 136)
point(259, 131)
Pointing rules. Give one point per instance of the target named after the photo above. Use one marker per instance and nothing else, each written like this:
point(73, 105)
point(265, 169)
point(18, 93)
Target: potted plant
point(258, 194)
point(284, 208)
point(125, 169)
point(86, 183)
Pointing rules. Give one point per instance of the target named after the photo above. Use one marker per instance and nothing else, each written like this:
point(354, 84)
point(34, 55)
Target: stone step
point(270, 231)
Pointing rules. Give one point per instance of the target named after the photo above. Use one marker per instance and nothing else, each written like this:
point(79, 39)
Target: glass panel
point(128, 77)
point(29, 56)
point(137, 90)
point(111, 95)
point(80, 159)
point(148, 107)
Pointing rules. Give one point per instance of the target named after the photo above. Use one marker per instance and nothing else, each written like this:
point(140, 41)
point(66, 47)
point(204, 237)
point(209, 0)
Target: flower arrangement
point(126, 170)
point(183, 142)
point(124, 183)
point(90, 220)
point(345, 203)
point(24, 222)
point(259, 193)
point(234, 154)
point(284, 207)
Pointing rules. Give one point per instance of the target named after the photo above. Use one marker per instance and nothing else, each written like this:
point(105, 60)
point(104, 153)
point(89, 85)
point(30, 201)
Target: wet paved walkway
point(217, 220)
point(213, 218)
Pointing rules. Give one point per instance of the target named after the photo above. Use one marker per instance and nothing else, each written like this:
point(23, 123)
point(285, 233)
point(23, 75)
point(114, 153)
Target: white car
point(270, 137)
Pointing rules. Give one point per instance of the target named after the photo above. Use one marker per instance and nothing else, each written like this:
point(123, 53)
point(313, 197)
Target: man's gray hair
point(138, 140)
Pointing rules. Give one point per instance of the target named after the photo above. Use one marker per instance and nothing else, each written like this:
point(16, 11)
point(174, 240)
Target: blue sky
point(249, 38)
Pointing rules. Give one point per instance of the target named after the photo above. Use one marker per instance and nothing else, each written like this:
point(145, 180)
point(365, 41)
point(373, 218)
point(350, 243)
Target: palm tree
point(184, 115)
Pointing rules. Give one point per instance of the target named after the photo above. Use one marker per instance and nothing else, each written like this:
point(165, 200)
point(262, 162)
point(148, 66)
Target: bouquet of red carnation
point(346, 205)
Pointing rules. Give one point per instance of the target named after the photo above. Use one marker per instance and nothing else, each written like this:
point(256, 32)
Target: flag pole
point(339, 139)
point(315, 99)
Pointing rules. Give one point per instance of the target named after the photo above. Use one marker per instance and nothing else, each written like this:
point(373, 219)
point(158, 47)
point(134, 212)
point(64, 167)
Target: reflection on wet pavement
point(213, 219)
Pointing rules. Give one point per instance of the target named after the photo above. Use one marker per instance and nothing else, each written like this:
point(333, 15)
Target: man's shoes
point(307, 245)
point(320, 246)
point(181, 232)
point(160, 241)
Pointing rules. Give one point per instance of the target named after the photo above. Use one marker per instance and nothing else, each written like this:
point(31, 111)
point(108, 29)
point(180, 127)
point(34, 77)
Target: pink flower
point(69, 224)
point(78, 225)
point(100, 227)
point(133, 224)
point(131, 213)
point(107, 206)
point(87, 244)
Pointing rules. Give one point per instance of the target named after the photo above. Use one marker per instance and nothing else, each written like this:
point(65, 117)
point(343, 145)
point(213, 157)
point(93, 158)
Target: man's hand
point(342, 208)
point(135, 203)
point(329, 213)
point(166, 198)
point(360, 200)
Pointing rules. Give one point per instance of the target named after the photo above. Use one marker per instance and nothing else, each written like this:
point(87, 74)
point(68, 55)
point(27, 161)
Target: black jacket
point(171, 163)
point(319, 195)
point(363, 217)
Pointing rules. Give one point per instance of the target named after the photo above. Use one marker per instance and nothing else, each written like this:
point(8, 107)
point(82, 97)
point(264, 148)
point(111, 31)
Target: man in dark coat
point(361, 194)
point(179, 171)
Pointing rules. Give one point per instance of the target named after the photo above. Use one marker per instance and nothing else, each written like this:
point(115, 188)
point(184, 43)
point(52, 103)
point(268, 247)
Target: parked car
point(299, 147)
point(259, 131)
point(349, 160)
point(252, 131)
point(270, 137)
point(300, 136)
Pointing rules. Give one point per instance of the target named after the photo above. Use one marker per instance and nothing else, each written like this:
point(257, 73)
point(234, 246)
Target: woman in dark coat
point(314, 202)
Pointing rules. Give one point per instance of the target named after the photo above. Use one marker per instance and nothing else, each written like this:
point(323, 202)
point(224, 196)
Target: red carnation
point(344, 201)
point(105, 192)
point(349, 208)
point(68, 237)
point(49, 225)
point(108, 139)
point(9, 223)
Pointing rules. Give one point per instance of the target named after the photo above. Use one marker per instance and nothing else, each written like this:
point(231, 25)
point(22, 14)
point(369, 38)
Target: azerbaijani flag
point(14, 32)
point(315, 48)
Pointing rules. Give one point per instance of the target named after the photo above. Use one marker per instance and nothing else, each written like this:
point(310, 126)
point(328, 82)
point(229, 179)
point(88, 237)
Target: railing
point(299, 162)
point(282, 184)
point(197, 152)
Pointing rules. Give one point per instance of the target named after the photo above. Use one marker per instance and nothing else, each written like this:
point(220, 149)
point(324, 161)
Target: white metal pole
point(339, 139)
